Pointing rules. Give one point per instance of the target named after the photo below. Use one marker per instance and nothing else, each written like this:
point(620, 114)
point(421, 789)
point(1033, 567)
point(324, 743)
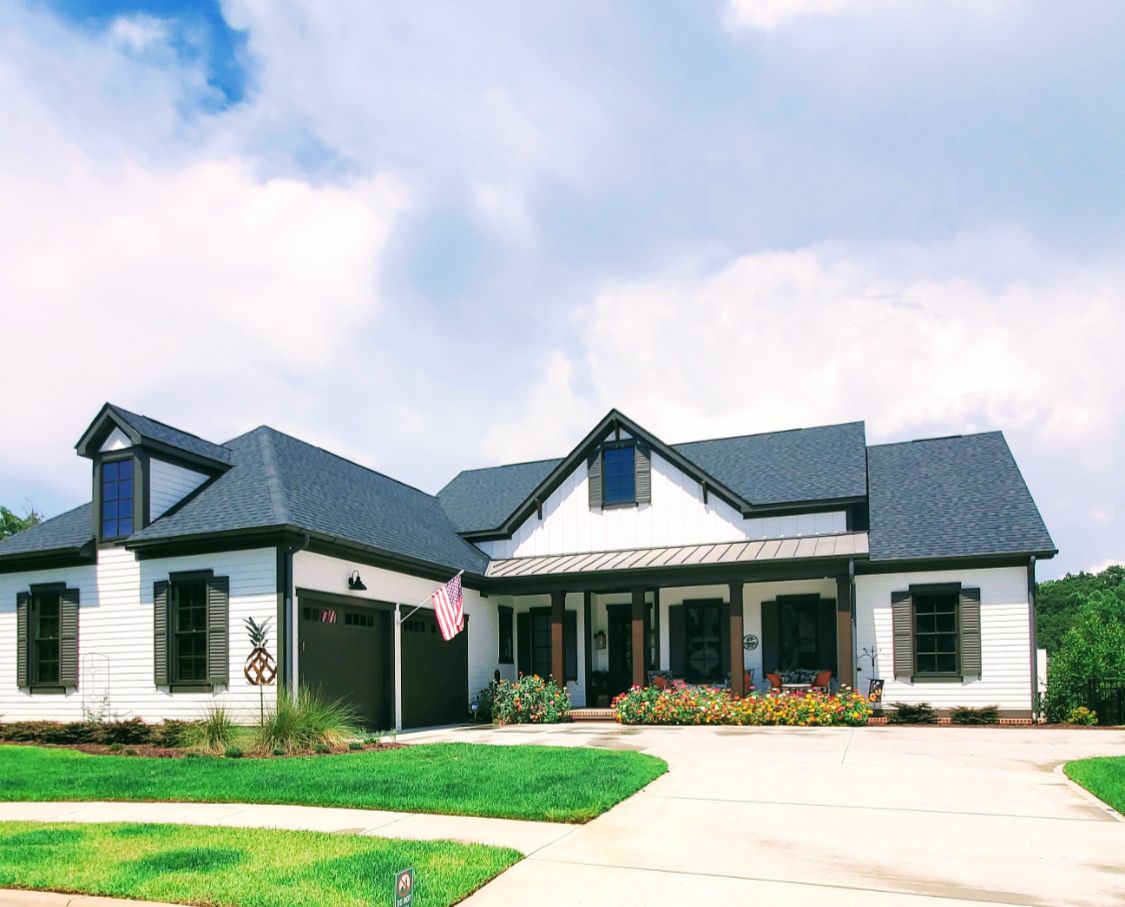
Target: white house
point(912, 563)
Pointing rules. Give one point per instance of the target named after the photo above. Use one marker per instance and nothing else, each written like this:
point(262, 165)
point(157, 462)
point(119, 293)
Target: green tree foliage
point(1059, 601)
point(1093, 648)
point(11, 522)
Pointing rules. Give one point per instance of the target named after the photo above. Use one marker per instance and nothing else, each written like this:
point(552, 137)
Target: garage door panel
point(435, 673)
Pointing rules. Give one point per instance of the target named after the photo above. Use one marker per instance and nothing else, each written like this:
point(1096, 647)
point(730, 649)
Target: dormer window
point(619, 473)
point(117, 499)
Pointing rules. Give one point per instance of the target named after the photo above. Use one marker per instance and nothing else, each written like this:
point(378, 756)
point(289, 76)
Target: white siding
point(328, 574)
point(168, 484)
point(676, 516)
point(1005, 641)
point(115, 636)
point(116, 441)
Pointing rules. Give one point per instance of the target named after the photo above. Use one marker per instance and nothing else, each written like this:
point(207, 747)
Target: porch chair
point(775, 682)
point(823, 681)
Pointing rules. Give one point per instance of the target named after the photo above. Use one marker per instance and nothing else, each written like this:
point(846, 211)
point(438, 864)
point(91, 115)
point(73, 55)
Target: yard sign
point(404, 888)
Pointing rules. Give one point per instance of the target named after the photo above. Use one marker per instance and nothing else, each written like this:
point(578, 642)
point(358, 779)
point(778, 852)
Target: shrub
point(305, 721)
point(355, 745)
point(233, 752)
point(322, 749)
point(965, 714)
point(485, 700)
point(706, 705)
point(214, 730)
point(912, 713)
point(173, 733)
point(530, 700)
point(125, 731)
point(1083, 716)
point(48, 732)
point(1092, 649)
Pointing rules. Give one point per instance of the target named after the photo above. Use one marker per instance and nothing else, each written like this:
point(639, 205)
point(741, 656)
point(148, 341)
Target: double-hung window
point(936, 636)
point(189, 631)
point(46, 639)
point(619, 473)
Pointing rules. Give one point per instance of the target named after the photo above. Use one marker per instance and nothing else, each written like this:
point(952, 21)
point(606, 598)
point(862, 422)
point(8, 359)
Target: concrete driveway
point(795, 816)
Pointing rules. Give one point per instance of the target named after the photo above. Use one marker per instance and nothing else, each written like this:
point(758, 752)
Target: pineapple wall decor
point(260, 669)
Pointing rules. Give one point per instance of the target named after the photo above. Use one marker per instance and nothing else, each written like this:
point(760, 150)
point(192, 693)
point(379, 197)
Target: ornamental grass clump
point(214, 731)
point(306, 721)
point(530, 700)
point(707, 705)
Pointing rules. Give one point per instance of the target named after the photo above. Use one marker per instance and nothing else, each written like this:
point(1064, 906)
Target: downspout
point(287, 611)
point(852, 607)
point(1031, 636)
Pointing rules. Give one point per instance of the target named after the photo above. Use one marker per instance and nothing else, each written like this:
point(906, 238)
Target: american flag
point(449, 606)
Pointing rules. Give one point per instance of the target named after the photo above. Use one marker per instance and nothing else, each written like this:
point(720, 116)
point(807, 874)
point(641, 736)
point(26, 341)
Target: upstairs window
point(117, 499)
point(619, 474)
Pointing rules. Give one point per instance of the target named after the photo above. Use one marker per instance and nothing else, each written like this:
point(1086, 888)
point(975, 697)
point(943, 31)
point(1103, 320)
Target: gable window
point(506, 654)
point(117, 499)
point(619, 476)
point(189, 632)
point(936, 635)
point(46, 639)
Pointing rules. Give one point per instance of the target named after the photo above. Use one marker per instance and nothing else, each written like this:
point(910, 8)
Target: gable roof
point(280, 482)
point(68, 532)
point(144, 430)
point(960, 496)
point(767, 470)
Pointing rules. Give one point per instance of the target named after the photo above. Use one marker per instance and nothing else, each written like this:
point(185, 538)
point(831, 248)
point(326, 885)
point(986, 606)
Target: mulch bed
point(163, 752)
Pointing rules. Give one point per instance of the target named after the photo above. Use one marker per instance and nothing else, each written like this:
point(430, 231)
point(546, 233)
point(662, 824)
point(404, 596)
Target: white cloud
point(767, 15)
point(1112, 562)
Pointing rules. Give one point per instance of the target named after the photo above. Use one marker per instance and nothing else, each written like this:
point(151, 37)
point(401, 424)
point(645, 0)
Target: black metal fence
point(1107, 698)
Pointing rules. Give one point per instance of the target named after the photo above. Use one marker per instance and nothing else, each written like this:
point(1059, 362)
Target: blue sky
point(376, 224)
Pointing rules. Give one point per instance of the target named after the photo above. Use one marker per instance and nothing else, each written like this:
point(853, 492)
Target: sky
point(436, 236)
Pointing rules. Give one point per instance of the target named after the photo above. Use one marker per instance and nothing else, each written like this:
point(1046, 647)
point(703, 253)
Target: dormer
point(143, 469)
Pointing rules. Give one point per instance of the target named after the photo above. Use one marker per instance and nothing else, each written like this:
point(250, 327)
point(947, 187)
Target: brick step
point(592, 715)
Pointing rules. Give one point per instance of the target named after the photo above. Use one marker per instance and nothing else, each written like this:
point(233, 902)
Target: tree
point(1059, 601)
point(1092, 649)
point(11, 522)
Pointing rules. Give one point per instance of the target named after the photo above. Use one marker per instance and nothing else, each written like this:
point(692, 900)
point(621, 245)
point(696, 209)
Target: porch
point(692, 620)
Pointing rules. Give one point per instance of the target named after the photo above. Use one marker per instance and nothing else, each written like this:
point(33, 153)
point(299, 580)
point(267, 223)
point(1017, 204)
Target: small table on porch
point(796, 686)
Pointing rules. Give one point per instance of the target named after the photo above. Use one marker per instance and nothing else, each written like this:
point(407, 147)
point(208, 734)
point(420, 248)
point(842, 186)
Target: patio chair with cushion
point(775, 682)
point(822, 681)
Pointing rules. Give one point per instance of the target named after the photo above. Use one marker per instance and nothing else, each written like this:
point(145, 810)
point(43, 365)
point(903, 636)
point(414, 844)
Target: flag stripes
point(449, 607)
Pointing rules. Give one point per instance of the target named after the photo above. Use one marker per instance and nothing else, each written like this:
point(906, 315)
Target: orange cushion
point(775, 680)
point(823, 679)
point(659, 682)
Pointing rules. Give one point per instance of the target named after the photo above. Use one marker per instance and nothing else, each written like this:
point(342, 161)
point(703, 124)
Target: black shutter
point(771, 632)
point(902, 624)
point(724, 640)
point(218, 630)
point(642, 472)
point(826, 634)
point(160, 604)
point(68, 638)
point(676, 643)
point(523, 642)
point(570, 644)
point(23, 604)
point(594, 478)
point(970, 634)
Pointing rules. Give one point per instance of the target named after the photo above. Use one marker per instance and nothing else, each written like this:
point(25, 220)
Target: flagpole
point(402, 617)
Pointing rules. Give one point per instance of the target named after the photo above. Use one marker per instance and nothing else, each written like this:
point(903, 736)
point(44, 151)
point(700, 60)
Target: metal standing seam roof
point(847, 544)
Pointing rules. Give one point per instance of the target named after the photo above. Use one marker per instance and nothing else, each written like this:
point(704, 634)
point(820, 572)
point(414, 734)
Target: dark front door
point(619, 645)
point(799, 633)
point(435, 673)
point(346, 653)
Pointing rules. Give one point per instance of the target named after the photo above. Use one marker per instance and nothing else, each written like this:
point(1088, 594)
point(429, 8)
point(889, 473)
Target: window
point(117, 499)
point(703, 659)
point(359, 619)
point(936, 648)
point(46, 633)
point(189, 631)
point(506, 653)
point(619, 475)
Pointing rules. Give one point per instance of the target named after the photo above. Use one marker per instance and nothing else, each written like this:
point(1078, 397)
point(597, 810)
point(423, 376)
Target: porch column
point(639, 641)
point(558, 649)
point(737, 678)
point(845, 608)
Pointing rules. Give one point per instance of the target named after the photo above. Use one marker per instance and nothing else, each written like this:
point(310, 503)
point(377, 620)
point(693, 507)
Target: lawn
point(238, 866)
point(1104, 777)
point(560, 784)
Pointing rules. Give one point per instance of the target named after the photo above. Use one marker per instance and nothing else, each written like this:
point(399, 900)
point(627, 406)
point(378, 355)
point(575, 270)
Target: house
point(807, 549)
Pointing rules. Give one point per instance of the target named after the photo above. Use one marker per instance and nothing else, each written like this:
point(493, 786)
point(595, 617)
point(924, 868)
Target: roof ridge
point(971, 434)
point(190, 434)
point(778, 431)
point(273, 479)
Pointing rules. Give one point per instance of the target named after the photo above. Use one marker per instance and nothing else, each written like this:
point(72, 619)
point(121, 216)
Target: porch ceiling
point(847, 544)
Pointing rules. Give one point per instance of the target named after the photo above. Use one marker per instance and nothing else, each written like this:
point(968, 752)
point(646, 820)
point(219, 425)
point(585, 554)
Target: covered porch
point(710, 614)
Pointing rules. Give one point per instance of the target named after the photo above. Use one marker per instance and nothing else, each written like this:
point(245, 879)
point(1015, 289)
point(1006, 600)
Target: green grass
point(1103, 776)
point(559, 784)
point(237, 866)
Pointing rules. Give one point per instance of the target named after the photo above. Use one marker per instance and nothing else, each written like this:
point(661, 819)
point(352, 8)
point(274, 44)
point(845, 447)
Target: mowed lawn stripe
point(239, 867)
point(1103, 776)
point(555, 784)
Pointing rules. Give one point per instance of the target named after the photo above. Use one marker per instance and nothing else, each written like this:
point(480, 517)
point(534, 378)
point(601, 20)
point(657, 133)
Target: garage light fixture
point(355, 583)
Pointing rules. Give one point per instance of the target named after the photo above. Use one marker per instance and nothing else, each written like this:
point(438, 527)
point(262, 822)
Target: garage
point(347, 652)
point(435, 673)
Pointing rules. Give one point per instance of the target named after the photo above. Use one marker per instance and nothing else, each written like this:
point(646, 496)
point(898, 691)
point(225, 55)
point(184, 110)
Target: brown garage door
point(435, 673)
point(346, 652)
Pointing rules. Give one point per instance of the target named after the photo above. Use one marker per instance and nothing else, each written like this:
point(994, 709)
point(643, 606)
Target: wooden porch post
point(558, 650)
point(845, 606)
point(737, 678)
point(639, 641)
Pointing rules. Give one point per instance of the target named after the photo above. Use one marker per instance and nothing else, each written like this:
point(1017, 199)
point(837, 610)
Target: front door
point(620, 645)
point(799, 632)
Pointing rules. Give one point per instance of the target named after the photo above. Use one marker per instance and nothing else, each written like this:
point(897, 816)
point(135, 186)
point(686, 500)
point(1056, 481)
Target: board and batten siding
point(168, 484)
point(1005, 639)
point(321, 573)
point(115, 637)
point(675, 516)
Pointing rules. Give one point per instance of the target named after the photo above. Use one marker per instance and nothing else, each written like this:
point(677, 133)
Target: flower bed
point(705, 705)
point(528, 700)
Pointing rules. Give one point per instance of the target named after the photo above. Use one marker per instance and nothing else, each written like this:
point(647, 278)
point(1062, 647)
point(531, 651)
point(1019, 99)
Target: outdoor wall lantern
point(599, 639)
point(355, 583)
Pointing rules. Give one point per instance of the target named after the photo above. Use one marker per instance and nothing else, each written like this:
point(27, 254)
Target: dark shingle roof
point(781, 467)
point(278, 480)
point(65, 532)
point(151, 430)
point(479, 499)
point(951, 497)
